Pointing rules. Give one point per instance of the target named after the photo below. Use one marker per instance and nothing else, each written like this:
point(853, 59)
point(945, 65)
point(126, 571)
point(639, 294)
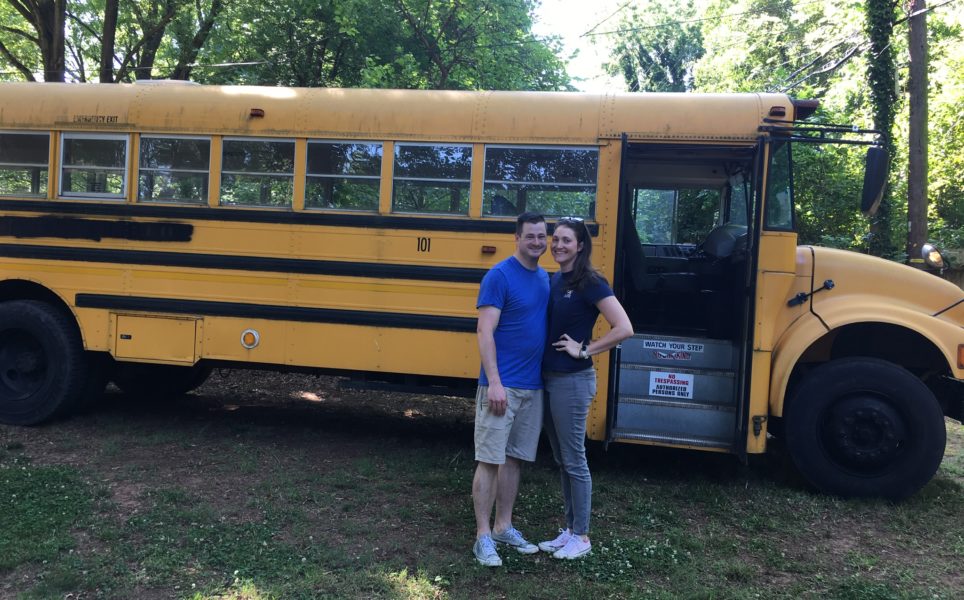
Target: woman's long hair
point(582, 270)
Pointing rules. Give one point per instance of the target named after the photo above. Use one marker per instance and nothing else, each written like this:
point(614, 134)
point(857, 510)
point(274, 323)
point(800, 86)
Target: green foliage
point(470, 44)
point(19, 56)
point(656, 50)
point(881, 73)
point(852, 57)
point(299, 43)
point(417, 44)
point(827, 182)
point(946, 176)
point(766, 45)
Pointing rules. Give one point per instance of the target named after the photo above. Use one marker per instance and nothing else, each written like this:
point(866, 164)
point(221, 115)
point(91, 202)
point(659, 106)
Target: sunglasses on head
point(571, 221)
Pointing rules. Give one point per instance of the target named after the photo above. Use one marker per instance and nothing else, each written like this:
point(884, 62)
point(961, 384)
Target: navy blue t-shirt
point(573, 312)
point(522, 296)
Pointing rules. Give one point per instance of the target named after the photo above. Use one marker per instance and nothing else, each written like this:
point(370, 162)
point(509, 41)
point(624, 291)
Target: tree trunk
point(917, 134)
point(53, 35)
point(189, 53)
point(48, 18)
point(107, 42)
point(881, 76)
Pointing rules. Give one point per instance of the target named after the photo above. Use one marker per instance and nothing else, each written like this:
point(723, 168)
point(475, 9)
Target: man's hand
point(497, 399)
point(488, 321)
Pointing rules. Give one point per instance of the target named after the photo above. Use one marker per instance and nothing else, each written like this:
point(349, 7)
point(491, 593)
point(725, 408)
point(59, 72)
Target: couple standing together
point(534, 338)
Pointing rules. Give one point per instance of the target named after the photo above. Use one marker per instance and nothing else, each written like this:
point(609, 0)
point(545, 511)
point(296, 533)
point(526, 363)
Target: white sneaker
point(484, 551)
point(551, 546)
point(574, 548)
point(512, 537)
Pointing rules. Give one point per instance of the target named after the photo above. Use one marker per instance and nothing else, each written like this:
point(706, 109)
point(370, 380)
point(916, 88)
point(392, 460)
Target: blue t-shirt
point(573, 312)
point(522, 296)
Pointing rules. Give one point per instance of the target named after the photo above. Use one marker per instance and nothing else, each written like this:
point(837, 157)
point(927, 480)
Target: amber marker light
point(256, 113)
point(488, 249)
point(250, 338)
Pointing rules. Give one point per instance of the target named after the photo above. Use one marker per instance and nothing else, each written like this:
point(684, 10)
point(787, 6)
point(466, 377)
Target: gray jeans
point(568, 396)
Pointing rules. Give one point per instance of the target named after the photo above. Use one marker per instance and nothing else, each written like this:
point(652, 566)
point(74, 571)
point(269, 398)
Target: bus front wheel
point(42, 363)
point(864, 427)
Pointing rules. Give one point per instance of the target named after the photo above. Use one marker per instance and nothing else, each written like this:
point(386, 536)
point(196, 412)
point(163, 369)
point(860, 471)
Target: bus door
point(684, 274)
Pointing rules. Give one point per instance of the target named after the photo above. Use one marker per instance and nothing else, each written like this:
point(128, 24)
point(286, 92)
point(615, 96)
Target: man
point(508, 414)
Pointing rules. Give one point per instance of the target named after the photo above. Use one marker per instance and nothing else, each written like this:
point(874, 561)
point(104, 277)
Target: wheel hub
point(22, 366)
point(864, 433)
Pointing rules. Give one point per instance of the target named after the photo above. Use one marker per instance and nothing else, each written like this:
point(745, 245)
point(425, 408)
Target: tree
point(299, 43)
point(846, 56)
point(443, 44)
point(946, 129)
point(458, 44)
point(109, 40)
point(145, 31)
point(107, 44)
point(476, 44)
point(656, 51)
point(882, 82)
point(46, 18)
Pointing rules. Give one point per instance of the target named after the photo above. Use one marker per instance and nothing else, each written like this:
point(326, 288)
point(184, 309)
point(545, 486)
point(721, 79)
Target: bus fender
point(842, 311)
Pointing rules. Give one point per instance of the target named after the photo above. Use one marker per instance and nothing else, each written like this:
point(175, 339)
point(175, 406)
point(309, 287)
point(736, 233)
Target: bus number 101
point(424, 244)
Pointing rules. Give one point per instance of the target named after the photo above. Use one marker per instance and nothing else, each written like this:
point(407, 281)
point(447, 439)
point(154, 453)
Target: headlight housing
point(932, 256)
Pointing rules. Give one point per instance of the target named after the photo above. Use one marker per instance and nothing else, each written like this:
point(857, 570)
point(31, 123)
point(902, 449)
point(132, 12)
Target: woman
point(578, 294)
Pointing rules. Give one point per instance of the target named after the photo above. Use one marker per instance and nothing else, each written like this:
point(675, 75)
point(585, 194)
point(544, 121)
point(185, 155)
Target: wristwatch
point(584, 352)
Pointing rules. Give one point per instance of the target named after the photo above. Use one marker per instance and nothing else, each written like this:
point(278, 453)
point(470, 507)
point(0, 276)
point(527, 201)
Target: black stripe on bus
point(244, 263)
point(286, 217)
point(276, 313)
point(96, 230)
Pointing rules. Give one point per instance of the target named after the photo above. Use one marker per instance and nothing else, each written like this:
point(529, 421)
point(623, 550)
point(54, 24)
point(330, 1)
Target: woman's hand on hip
point(568, 345)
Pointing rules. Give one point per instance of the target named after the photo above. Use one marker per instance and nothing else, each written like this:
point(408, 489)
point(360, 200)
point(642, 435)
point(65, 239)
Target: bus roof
point(411, 115)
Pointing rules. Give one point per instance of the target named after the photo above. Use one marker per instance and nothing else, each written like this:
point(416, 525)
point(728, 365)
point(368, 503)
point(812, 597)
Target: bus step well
point(669, 440)
point(677, 390)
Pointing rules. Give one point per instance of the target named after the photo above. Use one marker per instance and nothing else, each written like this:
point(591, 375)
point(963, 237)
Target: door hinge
point(758, 422)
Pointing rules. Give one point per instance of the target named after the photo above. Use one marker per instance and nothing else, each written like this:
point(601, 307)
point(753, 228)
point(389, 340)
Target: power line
point(699, 20)
point(614, 13)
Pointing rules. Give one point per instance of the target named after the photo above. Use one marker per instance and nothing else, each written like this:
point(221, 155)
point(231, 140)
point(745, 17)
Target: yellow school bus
point(150, 232)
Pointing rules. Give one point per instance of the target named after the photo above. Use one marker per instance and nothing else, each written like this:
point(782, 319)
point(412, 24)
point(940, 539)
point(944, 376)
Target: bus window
point(257, 172)
point(779, 211)
point(739, 197)
point(676, 216)
point(23, 163)
point(174, 169)
point(553, 181)
point(94, 165)
point(432, 178)
point(343, 176)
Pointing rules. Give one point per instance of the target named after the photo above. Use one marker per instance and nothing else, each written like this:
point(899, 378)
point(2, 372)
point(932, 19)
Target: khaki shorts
point(515, 434)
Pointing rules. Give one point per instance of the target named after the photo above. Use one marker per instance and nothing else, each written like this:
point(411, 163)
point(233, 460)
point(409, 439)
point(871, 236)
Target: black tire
point(158, 381)
point(42, 363)
point(864, 427)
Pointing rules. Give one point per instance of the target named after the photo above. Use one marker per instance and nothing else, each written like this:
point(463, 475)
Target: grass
point(262, 504)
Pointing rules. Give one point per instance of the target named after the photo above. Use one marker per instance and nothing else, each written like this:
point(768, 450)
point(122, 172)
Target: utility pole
point(917, 133)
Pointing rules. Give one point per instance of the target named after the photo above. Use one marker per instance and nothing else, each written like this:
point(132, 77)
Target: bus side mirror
point(876, 168)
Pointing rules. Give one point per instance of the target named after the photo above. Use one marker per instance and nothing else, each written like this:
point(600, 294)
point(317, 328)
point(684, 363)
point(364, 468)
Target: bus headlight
point(932, 256)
